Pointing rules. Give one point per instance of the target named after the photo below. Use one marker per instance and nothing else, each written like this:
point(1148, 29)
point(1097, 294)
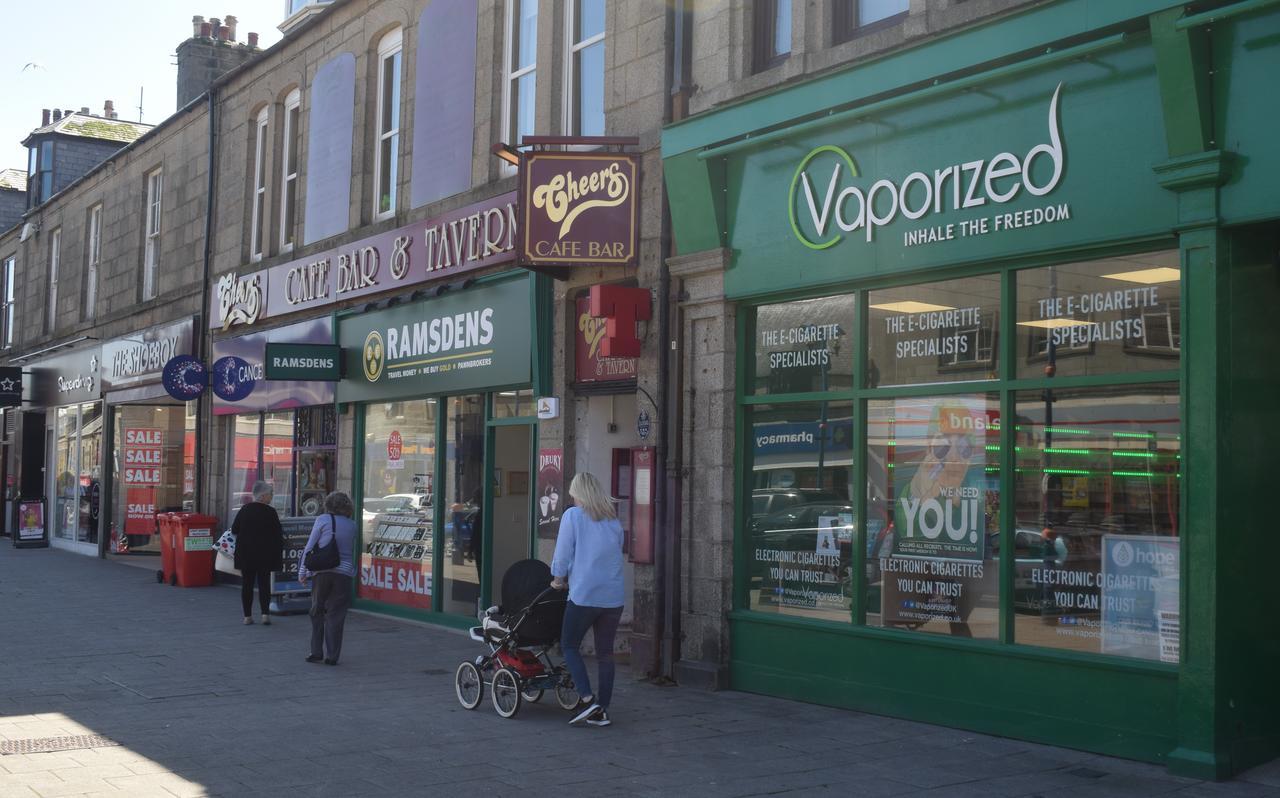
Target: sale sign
point(139, 510)
point(143, 455)
point(407, 584)
point(395, 450)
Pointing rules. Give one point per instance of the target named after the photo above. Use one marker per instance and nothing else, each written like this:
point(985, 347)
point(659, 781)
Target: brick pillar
point(707, 329)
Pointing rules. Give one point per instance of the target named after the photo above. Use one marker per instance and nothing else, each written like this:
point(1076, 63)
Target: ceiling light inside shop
point(1160, 274)
point(910, 306)
point(1054, 324)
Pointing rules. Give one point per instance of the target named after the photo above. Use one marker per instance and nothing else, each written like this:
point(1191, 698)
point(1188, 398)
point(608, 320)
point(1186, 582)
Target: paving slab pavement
point(170, 695)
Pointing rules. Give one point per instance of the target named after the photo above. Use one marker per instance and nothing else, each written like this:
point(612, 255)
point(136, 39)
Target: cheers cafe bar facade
point(1002, 406)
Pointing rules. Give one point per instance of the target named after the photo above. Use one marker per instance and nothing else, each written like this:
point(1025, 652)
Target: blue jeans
point(576, 622)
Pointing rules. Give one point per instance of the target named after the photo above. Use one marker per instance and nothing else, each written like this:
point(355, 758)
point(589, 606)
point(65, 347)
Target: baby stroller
point(519, 632)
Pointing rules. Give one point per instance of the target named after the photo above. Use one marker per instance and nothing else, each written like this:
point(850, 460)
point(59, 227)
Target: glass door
point(510, 485)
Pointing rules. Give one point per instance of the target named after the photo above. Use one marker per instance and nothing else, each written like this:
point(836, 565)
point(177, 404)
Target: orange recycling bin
point(192, 535)
point(168, 572)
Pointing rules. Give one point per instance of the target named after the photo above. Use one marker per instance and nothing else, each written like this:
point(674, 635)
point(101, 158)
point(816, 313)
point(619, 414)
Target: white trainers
point(586, 714)
point(599, 718)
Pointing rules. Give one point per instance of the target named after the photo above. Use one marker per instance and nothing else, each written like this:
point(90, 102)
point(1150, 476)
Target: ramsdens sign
point(824, 203)
point(285, 361)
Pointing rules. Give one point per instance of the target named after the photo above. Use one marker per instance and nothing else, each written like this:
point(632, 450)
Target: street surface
point(162, 691)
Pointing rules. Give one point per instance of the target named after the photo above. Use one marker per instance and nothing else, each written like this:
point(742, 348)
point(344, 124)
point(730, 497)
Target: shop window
point(855, 17)
point(153, 471)
point(245, 434)
point(804, 346)
point(289, 170)
point(800, 525)
point(934, 332)
point(585, 66)
point(398, 508)
point(514, 404)
point(77, 472)
point(521, 62)
point(462, 502)
point(277, 458)
point(387, 152)
point(771, 33)
point(1098, 487)
point(257, 226)
point(1108, 316)
point(933, 514)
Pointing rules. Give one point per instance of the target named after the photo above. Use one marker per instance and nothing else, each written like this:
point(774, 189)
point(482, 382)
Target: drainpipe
point(205, 406)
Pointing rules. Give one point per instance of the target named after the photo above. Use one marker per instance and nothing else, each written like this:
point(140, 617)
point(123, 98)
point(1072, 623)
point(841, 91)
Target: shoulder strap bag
point(324, 557)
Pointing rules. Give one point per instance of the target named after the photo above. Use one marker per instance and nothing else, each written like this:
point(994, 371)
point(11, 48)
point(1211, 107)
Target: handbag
point(324, 557)
point(226, 543)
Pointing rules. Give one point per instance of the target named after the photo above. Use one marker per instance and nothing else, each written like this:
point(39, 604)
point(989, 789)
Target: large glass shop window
point(933, 514)
point(935, 332)
point(804, 346)
point(244, 460)
point(277, 458)
point(800, 527)
point(153, 472)
point(398, 507)
point(1097, 494)
point(77, 464)
point(1108, 316)
point(463, 499)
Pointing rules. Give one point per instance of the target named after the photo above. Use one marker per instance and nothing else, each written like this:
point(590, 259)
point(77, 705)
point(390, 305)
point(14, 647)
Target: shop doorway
point(152, 468)
point(510, 483)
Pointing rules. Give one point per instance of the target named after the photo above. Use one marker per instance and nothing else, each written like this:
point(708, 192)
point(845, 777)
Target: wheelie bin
point(193, 548)
point(168, 571)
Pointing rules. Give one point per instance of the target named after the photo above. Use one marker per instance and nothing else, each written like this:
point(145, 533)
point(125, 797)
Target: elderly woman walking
point(588, 561)
point(331, 588)
point(259, 549)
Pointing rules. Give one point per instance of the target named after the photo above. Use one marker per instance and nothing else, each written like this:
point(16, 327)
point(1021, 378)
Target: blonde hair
point(586, 491)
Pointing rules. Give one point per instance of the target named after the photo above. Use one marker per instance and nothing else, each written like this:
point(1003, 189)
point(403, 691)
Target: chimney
point(253, 40)
point(196, 23)
point(57, 114)
point(206, 30)
point(216, 24)
point(223, 33)
point(204, 59)
point(84, 109)
point(44, 117)
point(109, 109)
point(231, 27)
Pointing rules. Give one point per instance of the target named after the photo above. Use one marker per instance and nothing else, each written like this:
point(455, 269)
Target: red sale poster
point(407, 584)
point(139, 511)
point(143, 456)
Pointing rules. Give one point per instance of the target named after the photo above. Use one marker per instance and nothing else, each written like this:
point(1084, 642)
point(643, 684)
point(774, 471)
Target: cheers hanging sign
point(579, 208)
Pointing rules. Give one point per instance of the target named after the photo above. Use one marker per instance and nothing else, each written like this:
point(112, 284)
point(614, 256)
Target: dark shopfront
point(445, 432)
point(1001, 471)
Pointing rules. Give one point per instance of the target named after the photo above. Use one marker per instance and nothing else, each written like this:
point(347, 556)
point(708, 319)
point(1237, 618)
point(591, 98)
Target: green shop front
point(1004, 378)
point(445, 433)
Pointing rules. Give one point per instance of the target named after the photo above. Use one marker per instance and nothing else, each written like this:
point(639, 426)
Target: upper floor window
point(7, 301)
point(388, 151)
point(771, 33)
point(256, 226)
point(55, 262)
point(853, 17)
point(586, 68)
point(93, 258)
point(151, 249)
point(521, 61)
point(289, 176)
point(40, 173)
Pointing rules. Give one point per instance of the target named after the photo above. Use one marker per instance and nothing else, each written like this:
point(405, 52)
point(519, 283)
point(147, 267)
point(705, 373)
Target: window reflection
point(804, 346)
point(1098, 491)
point(801, 524)
point(935, 332)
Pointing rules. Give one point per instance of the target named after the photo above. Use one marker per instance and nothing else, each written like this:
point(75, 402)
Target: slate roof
point(13, 179)
point(93, 127)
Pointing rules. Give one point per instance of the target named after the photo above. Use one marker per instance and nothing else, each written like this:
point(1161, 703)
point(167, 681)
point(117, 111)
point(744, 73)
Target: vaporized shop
point(982, 468)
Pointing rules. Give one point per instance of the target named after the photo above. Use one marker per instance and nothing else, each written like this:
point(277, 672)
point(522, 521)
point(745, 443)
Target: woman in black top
point(259, 549)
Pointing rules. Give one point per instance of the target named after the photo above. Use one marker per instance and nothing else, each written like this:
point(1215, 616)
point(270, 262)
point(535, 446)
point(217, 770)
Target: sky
point(88, 51)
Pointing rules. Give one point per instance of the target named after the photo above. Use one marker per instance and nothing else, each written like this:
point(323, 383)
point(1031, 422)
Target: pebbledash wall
point(997, 409)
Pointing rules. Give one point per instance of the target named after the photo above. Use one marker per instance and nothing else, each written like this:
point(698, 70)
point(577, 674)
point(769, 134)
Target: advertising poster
point(1140, 612)
point(944, 509)
point(139, 510)
point(395, 566)
point(550, 492)
point(31, 520)
point(143, 455)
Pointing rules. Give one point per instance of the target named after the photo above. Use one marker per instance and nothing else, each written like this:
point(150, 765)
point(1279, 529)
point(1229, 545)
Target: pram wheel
point(531, 694)
point(506, 693)
point(468, 685)
point(566, 696)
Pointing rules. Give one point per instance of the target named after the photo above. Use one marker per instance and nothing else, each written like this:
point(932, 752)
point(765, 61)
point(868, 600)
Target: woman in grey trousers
point(331, 589)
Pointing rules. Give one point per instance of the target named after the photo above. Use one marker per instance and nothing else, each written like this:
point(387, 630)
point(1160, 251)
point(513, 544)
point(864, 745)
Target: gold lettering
point(564, 198)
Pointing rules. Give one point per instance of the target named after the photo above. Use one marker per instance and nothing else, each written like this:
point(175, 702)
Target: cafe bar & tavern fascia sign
point(469, 238)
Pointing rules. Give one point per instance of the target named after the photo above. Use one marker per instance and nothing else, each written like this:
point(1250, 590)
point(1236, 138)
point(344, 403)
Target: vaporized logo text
point(824, 203)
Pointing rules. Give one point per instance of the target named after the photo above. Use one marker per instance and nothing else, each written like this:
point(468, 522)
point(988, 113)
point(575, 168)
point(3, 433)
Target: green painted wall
point(1246, 114)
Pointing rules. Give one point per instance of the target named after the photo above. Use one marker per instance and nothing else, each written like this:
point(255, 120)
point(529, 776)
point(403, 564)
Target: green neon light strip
point(1134, 454)
point(1080, 471)
point(1068, 431)
point(1055, 450)
point(1147, 474)
point(1144, 435)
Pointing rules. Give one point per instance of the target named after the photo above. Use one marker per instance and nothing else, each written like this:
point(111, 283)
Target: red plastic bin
point(168, 572)
point(193, 536)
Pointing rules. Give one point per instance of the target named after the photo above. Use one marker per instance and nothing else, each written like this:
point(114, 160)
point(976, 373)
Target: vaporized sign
point(579, 208)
